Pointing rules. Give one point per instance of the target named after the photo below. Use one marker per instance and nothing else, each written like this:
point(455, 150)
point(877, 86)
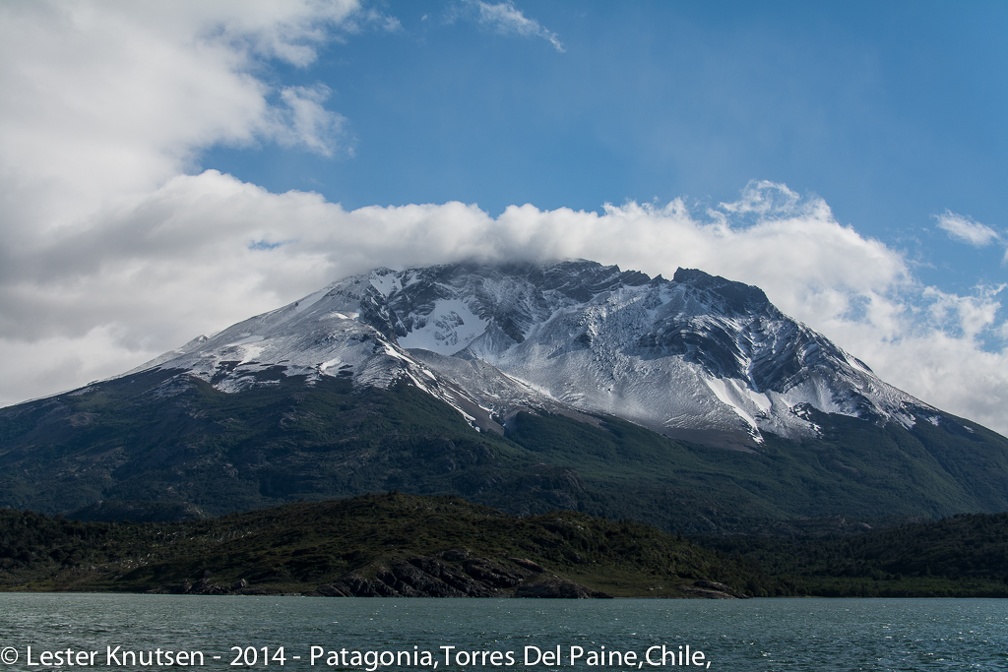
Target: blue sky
point(169, 168)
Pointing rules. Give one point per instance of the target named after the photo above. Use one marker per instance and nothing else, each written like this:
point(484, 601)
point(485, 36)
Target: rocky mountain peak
point(736, 296)
point(695, 353)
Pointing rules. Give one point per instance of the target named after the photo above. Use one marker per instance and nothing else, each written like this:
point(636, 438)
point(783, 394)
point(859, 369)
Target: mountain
point(693, 353)
point(691, 402)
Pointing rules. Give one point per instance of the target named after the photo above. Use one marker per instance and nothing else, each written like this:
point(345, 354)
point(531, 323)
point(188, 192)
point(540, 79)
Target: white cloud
point(305, 122)
point(967, 316)
point(965, 230)
point(107, 99)
point(761, 197)
point(506, 19)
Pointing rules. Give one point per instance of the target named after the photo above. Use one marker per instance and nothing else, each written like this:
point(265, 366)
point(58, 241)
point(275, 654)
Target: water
point(814, 635)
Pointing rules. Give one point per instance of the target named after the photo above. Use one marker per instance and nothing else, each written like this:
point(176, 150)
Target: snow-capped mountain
point(691, 353)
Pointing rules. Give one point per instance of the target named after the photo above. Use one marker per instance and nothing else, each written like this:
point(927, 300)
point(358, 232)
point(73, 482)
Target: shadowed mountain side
point(163, 445)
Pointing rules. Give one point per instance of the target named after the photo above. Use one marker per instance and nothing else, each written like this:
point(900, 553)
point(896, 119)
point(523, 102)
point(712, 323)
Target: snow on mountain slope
point(320, 335)
point(693, 352)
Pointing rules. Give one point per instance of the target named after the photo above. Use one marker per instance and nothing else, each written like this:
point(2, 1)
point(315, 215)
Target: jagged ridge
point(694, 353)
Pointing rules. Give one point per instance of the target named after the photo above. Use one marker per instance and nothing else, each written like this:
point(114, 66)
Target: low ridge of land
point(404, 545)
point(382, 545)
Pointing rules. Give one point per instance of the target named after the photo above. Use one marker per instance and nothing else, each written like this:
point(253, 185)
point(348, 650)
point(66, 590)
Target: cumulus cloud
point(965, 230)
point(505, 18)
point(102, 100)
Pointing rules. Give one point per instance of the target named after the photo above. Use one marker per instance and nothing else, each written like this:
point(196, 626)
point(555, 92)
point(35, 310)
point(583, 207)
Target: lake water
point(45, 631)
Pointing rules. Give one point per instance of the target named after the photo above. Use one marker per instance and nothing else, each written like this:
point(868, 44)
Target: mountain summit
point(690, 402)
point(693, 355)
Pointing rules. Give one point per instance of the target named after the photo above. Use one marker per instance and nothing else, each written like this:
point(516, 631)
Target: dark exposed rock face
point(455, 573)
point(712, 590)
point(555, 587)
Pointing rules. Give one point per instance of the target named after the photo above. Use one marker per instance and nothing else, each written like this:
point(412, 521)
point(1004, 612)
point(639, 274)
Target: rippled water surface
point(768, 635)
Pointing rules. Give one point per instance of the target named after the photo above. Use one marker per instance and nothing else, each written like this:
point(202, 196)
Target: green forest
point(397, 544)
